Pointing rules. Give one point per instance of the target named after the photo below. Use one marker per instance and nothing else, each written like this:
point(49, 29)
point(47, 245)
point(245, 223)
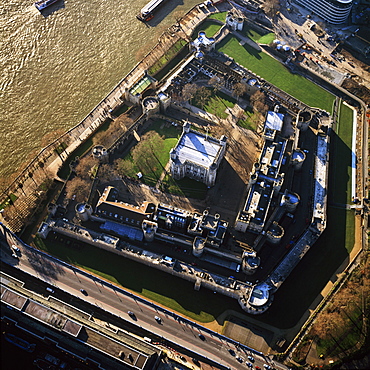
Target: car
point(251, 359)
point(50, 290)
point(158, 319)
point(240, 359)
point(249, 364)
point(201, 336)
point(231, 351)
point(268, 367)
point(83, 291)
point(131, 314)
point(258, 368)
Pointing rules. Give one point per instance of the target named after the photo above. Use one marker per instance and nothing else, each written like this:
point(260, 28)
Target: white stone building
point(197, 156)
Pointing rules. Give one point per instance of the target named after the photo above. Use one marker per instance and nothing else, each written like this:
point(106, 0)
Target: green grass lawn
point(257, 36)
point(217, 104)
point(312, 273)
point(167, 57)
point(273, 71)
point(170, 135)
point(266, 39)
point(175, 293)
point(250, 122)
point(187, 187)
point(341, 157)
point(210, 28)
point(10, 200)
point(345, 131)
point(219, 16)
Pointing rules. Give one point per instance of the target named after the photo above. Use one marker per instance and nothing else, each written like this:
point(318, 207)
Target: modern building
point(332, 11)
point(197, 156)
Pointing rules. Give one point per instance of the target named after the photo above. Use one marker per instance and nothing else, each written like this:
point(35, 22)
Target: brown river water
point(56, 67)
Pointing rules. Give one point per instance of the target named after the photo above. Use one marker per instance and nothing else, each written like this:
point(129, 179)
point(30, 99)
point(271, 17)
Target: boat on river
point(40, 5)
point(147, 13)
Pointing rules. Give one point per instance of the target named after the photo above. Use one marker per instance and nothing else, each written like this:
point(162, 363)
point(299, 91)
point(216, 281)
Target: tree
point(239, 89)
point(217, 82)
point(79, 187)
point(107, 173)
point(188, 91)
point(258, 102)
point(271, 7)
point(202, 96)
point(85, 166)
point(124, 167)
point(115, 130)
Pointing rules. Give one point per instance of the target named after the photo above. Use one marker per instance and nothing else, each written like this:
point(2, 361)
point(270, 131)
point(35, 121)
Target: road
point(117, 301)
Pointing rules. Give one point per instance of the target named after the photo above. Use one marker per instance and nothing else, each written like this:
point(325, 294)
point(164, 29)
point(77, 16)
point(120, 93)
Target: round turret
point(198, 246)
point(83, 211)
point(275, 233)
point(290, 201)
point(149, 228)
point(297, 159)
point(101, 153)
point(150, 105)
point(303, 120)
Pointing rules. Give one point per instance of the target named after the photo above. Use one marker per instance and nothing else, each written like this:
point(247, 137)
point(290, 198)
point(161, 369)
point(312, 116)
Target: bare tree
point(217, 82)
point(202, 96)
point(85, 166)
point(124, 167)
point(189, 91)
point(115, 130)
point(260, 107)
point(258, 102)
point(124, 121)
point(239, 89)
point(79, 187)
point(271, 7)
point(107, 173)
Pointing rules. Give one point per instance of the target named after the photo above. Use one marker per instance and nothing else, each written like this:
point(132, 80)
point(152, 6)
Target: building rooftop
point(274, 120)
point(197, 148)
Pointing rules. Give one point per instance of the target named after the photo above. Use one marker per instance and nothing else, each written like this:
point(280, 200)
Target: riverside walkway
point(22, 195)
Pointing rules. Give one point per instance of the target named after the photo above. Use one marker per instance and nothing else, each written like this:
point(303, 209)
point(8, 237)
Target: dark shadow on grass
point(340, 165)
point(149, 282)
point(253, 51)
point(307, 280)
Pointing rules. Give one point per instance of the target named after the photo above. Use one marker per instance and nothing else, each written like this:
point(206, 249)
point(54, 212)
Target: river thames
point(57, 67)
